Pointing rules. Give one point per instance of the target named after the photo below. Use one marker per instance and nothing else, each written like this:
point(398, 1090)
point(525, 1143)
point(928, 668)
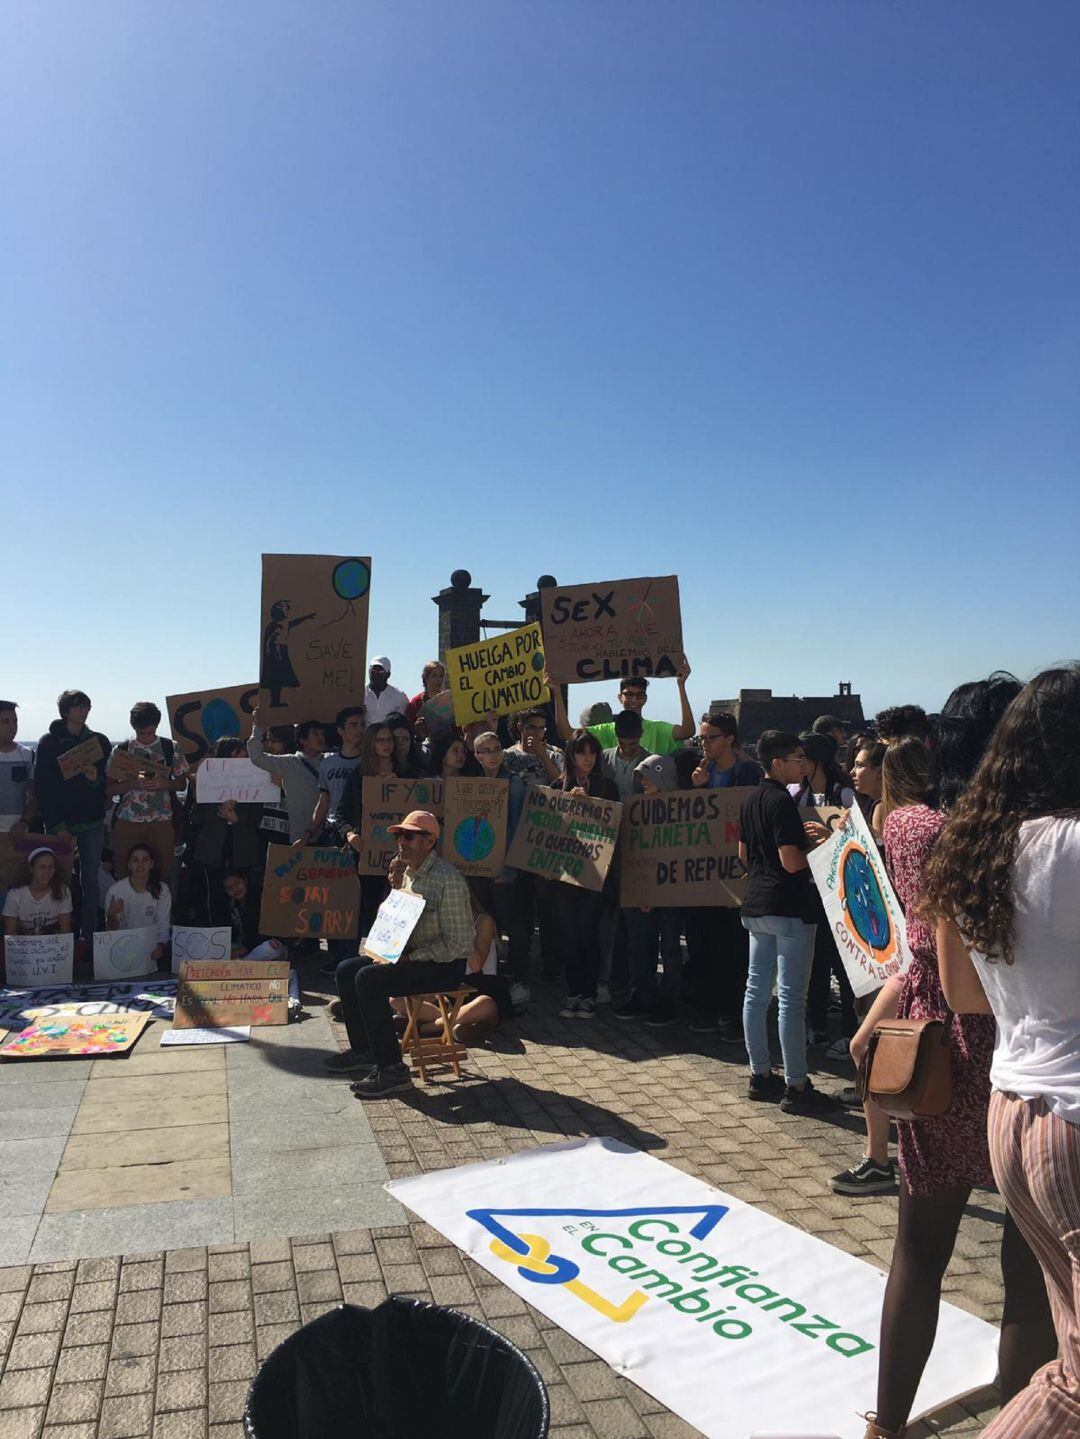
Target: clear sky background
point(780, 295)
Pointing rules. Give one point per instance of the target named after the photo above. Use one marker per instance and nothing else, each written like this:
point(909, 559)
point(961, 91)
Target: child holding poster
point(141, 899)
point(41, 902)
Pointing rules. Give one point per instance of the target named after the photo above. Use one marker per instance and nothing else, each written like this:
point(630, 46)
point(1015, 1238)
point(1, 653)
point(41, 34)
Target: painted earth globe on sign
point(474, 839)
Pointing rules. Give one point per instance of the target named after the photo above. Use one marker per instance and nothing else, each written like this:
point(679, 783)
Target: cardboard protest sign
point(314, 634)
point(311, 892)
point(124, 953)
point(200, 719)
point(566, 837)
point(740, 1323)
point(829, 815)
point(83, 756)
point(240, 991)
point(475, 815)
point(71, 1036)
point(438, 713)
point(394, 922)
point(681, 848)
point(36, 959)
point(386, 802)
point(19, 1006)
point(498, 676)
point(863, 912)
point(194, 942)
point(613, 630)
point(129, 768)
point(16, 849)
point(218, 780)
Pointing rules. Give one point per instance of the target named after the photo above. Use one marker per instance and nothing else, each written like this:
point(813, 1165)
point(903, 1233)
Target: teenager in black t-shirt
point(778, 912)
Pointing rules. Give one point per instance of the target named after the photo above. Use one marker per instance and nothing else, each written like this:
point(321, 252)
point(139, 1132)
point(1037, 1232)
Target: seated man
point(434, 959)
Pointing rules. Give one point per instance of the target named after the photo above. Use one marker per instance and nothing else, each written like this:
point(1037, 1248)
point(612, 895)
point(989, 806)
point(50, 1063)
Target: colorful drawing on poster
point(123, 953)
point(200, 719)
point(309, 893)
point(67, 1036)
point(19, 1006)
point(475, 817)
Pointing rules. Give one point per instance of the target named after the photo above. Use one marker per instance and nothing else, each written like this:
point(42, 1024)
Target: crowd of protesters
point(976, 811)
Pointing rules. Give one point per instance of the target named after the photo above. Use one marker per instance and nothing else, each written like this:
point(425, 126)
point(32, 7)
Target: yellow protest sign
point(498, 676)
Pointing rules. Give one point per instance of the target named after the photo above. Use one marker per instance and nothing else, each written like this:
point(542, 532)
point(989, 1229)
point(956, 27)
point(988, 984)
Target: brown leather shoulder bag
point(907, 1070)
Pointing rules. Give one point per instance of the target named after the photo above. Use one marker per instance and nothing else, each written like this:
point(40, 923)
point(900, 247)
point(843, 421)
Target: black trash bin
point(402, 1371)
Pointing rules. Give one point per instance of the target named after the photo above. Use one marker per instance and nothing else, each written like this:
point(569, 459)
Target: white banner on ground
point(199, 942)
point(217, 780)
point(124, 953)
point(38, 959)
point(861, 907)
point(394, 922)
point(234, 1034)
point(738, 1322)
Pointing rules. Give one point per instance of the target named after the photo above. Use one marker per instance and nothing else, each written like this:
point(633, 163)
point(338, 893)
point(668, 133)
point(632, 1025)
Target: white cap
point(382, 661)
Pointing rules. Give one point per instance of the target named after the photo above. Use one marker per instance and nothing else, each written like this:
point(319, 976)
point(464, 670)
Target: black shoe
point(633, 1009)
point(732, 1033)
point(660, 1018)
point(336, 1011)
point(866, 1177)
point(807, 1101)
point(817, 1036)
point(705, 1026)
point(349, 1062)
point(766, 1087)
point(330, 968)
point(391, 1080)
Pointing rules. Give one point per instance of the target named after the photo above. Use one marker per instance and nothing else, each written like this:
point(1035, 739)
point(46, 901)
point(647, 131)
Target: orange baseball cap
point(419, 821)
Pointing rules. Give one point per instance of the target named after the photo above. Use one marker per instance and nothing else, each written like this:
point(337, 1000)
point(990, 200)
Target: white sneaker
point(571, 1008)
point(519, 993)
point(603, 994)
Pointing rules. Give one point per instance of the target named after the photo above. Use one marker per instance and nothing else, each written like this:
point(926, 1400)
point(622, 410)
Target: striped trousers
point(1036, 1161)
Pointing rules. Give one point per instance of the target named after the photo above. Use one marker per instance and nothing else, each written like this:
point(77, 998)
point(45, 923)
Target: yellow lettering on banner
point(536, 1262)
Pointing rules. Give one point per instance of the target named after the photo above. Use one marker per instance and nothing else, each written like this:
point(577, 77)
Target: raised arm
point(685, 728)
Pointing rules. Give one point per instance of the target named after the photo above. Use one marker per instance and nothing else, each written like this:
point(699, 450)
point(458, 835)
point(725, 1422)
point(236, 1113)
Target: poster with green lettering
point(313, 637)
point(567, 837)
point(498, 676)
point(309, 893)
point(615, 629)
point(681, 848)
point(387, 802)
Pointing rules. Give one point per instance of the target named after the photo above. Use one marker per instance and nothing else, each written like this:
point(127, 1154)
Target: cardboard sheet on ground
point(240, 991)
point(738, 1322)
point(123, 954)
point(309, 893)
point(199, 942)
point(235, 1034)
point(217, 780)
point(15, 850)
point(37, 959)
point(70, 1035)
point(155, 998)
point(397, 918)
point(475, 813)
point(498, 676)
point(861, 907)
point(200, 719)
point(386, 802)
point(566, 837)
point(82, 756)
point(681, 848)
point(613, 629)
point(313, 639)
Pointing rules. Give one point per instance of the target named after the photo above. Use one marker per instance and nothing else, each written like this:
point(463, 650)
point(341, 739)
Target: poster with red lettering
point(310, 893)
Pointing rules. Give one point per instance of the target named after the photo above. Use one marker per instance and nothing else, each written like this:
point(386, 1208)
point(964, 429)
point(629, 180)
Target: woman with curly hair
point(1004, 888)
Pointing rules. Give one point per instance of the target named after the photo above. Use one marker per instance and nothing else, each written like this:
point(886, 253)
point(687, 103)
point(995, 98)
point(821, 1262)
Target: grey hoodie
point(660, 768)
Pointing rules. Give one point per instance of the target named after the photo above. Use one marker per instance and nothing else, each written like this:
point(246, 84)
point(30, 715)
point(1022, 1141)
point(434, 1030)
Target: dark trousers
point(719, 951)
point(508, 907)
point(652, 933)
point(539, 903)
point(827, 962)
point(577, 917)
point(366, 989)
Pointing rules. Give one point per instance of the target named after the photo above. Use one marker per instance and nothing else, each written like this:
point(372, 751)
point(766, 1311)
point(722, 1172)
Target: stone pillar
point(531, 603)
point(459, 612)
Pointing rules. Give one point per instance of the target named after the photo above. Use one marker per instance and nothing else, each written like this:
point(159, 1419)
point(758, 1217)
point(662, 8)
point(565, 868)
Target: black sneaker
point(391, 1080)
point(634, 1009)
point(766, 1087)
point(815, 1037)
point(349, 1061)
point(660, 1018)
point(732, 1033)
point(807, 1101)
point(867, 1177)
point(705, 1026)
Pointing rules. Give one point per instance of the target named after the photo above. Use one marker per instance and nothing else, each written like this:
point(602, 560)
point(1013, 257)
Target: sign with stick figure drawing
point(313, 639)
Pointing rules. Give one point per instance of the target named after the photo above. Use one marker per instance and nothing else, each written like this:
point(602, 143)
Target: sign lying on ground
point(218, 780)
point(83, 756)
point(386, 802)
point(199, 942)
point(738, 1322)
point(397, 918)
point(498, 676)
point(71, 1035)
point(15, 850)
point(200, 719)
point(37, 959)
point(154, 998)
point(124, 953)
point(564, 836)
point(309, 893)
point(681, 848)
point(861, 907)
point(236, 1034)
point(221, 996)
point(613, 630)
point(475, 815)
point(313, 656)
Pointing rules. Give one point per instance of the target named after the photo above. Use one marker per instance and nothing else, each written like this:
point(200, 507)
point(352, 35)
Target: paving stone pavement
point(163, 1345)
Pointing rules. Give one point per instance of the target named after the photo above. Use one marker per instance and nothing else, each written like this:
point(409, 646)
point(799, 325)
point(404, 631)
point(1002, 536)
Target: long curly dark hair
point(1031, 768)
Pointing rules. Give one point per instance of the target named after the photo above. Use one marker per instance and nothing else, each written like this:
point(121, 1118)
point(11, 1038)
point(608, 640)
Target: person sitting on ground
point(40, 900)
point(244, 903)
point(142, 899)
point(482, 1015)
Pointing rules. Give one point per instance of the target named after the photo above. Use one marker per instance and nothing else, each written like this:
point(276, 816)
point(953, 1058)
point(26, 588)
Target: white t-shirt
point(378, 706)
point(1036, 999)
point(35, 916)
point(141, 910)
point(16, 772)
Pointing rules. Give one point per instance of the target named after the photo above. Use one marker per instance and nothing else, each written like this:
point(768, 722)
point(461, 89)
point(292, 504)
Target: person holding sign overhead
point(657, 736)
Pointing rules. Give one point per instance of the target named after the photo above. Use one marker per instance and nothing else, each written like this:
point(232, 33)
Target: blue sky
point(779, 296)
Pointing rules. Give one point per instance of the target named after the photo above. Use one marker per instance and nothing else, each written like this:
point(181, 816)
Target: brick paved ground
point(163, 1345)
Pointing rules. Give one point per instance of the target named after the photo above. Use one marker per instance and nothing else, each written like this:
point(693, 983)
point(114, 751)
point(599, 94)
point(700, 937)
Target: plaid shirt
point(444, 931)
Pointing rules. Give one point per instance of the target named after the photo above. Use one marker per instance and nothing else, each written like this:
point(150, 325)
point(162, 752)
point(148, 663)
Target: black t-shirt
point(770, 818)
